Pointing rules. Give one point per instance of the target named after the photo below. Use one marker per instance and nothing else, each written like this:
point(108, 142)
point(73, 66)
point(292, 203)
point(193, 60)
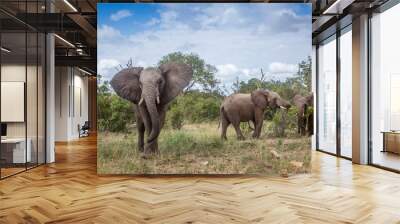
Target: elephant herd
point(240, 107)
point(152, 89)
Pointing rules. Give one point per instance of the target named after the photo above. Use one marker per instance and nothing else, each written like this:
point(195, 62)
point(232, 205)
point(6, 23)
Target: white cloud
point(228, 73)
point(227, 70)
point(107, 66)
point(218, 16)
point(168, 19)
point(108, 32)
point(238, 48)
point(152, 22)
point(282, 68)
point(287, 12)
point(120, 15)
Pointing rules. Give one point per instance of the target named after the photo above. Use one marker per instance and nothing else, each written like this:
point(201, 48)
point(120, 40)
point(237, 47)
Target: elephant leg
point(140, 128)
point(257, 130)
point(310, 125)
point(304, 125)
point(236, 125)
point(152, 147)
point(299, 124)
point(224, 126)
point(238, 132)
point(258, 123)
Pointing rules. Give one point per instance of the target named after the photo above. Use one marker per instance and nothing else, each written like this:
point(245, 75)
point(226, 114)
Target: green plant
point(176, 118)
point(279, 123)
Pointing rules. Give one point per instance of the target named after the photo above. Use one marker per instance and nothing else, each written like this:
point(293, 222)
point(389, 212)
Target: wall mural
point(204, 89)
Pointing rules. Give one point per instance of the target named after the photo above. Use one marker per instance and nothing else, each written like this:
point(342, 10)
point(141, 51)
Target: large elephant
point(240, 107)
point(151, 90)
point(305, 120)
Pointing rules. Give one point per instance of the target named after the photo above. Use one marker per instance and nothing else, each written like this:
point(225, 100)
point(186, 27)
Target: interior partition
point(23, 88)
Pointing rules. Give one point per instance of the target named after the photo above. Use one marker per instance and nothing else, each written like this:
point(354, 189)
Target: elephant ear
point(177, 76)
point(126, 84)
point(259, 98)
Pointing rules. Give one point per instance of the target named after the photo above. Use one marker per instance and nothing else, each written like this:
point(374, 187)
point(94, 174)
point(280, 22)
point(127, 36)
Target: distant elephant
point(151, 90)
point(241, 107)
point(305, 122)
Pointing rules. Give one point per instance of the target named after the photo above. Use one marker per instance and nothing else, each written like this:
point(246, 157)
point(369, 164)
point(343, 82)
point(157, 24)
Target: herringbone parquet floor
point(69, 191)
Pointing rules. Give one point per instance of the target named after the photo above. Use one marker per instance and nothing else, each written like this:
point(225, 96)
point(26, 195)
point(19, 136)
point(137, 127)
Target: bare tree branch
point(262, 76)
point(190, 86)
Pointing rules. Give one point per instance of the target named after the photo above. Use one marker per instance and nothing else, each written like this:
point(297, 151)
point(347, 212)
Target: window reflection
point(385, 88)
point(327, 95)
point(346, 93)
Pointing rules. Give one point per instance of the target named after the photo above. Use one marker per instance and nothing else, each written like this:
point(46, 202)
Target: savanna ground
point(198, 149)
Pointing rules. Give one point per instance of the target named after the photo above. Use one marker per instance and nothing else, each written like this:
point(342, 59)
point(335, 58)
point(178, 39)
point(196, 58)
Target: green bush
point(283, 120)
point(194, 107)
point(114, 113)
point(175, 117)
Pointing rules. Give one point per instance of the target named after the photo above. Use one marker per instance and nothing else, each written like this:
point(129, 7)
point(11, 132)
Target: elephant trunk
point(151, 98)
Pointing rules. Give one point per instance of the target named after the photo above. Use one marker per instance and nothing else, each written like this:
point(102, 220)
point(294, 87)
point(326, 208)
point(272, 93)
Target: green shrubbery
point(114, 113)
point(175, 117)
point(283, 120)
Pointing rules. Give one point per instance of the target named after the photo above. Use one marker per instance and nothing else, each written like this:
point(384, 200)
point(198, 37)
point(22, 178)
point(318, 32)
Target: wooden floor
point(69, 191)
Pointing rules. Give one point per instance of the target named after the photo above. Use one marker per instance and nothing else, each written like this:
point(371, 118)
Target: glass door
point(326, 104)
point(22, 78)
point(346, 92)
point(14, 155)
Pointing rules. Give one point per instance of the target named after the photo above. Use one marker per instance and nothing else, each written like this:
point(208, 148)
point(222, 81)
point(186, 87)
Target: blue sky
point(239, 39)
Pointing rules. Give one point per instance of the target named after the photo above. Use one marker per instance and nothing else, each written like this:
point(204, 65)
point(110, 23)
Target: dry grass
point(198, 149)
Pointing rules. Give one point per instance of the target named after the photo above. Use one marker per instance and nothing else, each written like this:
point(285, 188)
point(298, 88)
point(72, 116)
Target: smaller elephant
point(305, 122)
point(241, 107)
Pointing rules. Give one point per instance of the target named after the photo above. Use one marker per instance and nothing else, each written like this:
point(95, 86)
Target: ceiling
point(73, 21)
point(328, 15)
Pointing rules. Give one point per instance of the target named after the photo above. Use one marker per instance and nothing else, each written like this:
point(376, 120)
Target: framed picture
point(204, 88)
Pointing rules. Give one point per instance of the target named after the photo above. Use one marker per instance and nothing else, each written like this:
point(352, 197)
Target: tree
point(203, 73)
point(302, 80)
point(236, 86)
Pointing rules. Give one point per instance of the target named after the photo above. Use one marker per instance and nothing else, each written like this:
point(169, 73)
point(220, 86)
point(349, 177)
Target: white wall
point(62, 81)
point(71, 87)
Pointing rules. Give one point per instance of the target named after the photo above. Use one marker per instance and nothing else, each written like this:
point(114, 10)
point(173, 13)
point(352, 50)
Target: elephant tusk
point(141, 101)
point(158, 100)
point(282, 107)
